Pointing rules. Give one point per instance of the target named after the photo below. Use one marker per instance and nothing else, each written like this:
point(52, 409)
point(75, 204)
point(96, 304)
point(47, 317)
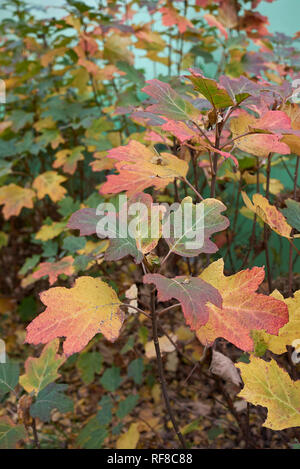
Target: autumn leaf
point(168, 102)
point(242, 310)
point(41, 371)
point(68, 159)
point(134, 238)
point(14, 199)
point(50, 231)
point(54, 269)
point(180, 130)
point(258, 144)
point(268, 213)
point(210, 89)
point(212, 21)
point(129, 439)
point(117, 48)
point(85, 220)
point(49, 183)
point(193, 293)
point(77, 313)
point(171, 17)
point(290, 331)
point(268, 385)
point(293, 141)
point(101, 161)
point(240, 88)
point(205, 219)
point(139, 168)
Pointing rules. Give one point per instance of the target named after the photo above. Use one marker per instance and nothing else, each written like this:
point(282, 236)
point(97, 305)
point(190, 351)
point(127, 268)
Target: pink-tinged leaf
point(193, 293)
point(77, 313)
point(84, 220)
point(258, 144)
point(212, 21)
point(132, 181)
point(273, 120)
point(54, 269)
point(170, 17)
point(243, 310)
point(169, 103)
point(122, 241)
point(180, 130)
point(139, 167)
point(240, 88)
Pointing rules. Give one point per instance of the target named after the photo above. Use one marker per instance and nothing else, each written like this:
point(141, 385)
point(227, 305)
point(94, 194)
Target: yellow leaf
point(50, 231)
point(14, 199)
point(49, 183)
point(293, 141)
point(268, 213)
point(130, 439)
point(268, 385)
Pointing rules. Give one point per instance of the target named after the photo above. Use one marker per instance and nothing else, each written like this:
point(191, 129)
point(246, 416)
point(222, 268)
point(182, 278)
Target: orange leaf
point(243, 309)
point(54, 269)
point(14, 199)
point(140, 168)
point(48, 183)
point(77, 313)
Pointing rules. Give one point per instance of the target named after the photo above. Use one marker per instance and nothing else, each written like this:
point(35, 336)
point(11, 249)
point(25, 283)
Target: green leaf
point(135, 370)
point(292, 213)
point(191, 239)
point(10, 434)
point(51, 397)
point(73, 243)
point(9, 377)
point(105, 414)
point(81, 262)
point(88, 365)
point(126, 406)
point(29, 264)
point(67, 206)
point(27, 308)
point(50, 248)
point(210, 89)
point(92, 436)
point(128, 346)
point(111, 379)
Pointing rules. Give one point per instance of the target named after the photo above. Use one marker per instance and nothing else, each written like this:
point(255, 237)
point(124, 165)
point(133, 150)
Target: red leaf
point(193, 294)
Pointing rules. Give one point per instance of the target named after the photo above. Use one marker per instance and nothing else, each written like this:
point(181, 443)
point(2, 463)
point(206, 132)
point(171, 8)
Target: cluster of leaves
point(81, 126)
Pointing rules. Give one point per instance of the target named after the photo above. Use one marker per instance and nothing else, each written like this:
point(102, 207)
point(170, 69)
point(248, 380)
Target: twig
point(161, 371)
